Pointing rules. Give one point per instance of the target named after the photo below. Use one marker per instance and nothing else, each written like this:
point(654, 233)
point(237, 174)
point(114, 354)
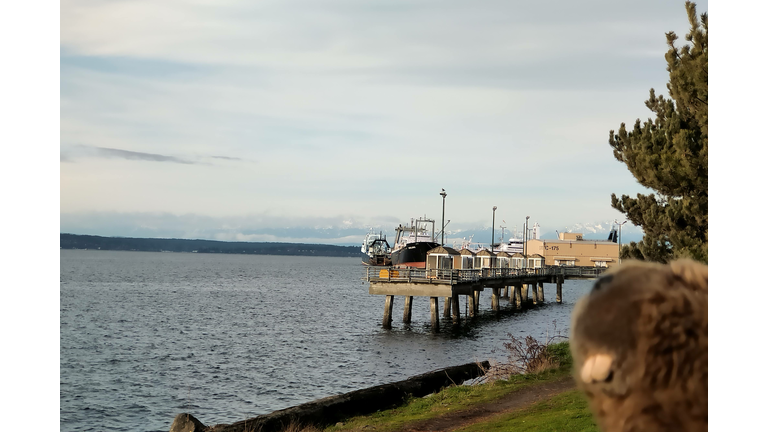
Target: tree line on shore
point(75, 241)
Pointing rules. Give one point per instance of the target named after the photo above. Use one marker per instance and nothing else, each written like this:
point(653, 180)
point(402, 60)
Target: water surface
point(145, 336)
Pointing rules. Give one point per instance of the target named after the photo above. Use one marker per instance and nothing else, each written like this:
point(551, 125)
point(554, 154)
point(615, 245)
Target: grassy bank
point(566, 411)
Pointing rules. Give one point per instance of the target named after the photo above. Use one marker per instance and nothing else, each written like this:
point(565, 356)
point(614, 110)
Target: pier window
point(601, 262)
point(444, 262)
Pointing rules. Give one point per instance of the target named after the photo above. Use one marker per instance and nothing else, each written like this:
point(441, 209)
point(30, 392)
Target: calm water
point(145, 336)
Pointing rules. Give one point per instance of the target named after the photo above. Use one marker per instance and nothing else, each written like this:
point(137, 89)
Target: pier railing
point(583, 272)
point(454, 276)
point(389, 274)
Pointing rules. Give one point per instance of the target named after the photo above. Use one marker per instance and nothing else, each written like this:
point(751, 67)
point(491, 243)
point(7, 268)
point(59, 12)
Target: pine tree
point(669, 156)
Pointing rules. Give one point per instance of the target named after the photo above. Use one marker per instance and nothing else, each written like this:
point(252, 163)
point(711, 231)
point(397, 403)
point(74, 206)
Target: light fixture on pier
point(442, 229)
point(525, 244)
point(619, 224)
point(493, 224)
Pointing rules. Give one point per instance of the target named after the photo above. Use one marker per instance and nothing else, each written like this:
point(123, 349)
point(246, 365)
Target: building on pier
point(443, 257)
point(467, 260)
point(572, 250)
point(503, 259)
point(487, 259)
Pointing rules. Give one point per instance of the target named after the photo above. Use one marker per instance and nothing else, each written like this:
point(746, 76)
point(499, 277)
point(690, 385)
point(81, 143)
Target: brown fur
point(650, 321)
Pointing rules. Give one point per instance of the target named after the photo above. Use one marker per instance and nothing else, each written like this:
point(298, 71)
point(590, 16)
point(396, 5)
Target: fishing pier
point(448, 284)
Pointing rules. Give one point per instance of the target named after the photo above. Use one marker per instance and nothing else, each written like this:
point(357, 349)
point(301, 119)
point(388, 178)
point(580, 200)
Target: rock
point(186, 423)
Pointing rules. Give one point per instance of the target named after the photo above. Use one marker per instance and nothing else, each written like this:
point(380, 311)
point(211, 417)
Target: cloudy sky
point(315, 120)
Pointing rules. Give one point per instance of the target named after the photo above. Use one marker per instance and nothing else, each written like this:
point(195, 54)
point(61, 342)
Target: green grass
point(456, 398)
point(567, 411)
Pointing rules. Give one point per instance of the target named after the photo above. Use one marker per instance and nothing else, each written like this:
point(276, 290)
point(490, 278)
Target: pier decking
point(451, 283)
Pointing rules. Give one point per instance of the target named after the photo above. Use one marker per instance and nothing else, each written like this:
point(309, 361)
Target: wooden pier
point(452, 283)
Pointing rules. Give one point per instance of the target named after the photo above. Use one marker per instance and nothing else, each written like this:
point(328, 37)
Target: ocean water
point(145, 336)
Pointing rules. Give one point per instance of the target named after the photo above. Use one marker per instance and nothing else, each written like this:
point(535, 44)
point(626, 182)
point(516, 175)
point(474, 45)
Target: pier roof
point(443, 250)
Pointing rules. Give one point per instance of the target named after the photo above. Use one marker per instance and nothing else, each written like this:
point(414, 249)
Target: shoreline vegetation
point(541, 396)
point(77, 241)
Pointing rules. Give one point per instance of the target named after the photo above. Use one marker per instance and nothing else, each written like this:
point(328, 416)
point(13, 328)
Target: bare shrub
point(524, 355)
point(298, 427)
point(293, 426)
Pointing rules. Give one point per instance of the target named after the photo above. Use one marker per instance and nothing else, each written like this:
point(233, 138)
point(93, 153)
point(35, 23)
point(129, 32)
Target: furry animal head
point(639, 344)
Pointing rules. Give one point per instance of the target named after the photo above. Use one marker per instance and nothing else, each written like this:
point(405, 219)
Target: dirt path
point(511, 402)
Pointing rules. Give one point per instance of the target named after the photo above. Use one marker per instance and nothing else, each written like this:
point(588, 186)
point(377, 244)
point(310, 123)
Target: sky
point(313, 121)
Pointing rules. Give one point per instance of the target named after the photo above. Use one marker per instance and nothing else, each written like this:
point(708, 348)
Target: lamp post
point(525, 244)
point(442, 230)
point(619, 224)
point(493, 223)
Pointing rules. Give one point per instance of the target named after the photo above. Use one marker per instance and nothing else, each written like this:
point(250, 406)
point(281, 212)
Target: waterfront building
point(442, 257)
point(572, 250)
point(487, 259)
point(466, 260)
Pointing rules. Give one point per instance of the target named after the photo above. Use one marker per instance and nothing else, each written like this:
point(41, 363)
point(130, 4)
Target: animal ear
point(692, 273)
point(597, 368)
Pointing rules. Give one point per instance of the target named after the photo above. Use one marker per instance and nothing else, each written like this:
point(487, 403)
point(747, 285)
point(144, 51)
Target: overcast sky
point(243, 120)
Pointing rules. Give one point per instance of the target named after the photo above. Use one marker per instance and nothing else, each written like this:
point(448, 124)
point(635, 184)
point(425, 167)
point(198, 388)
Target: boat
point(514, 245)
point(413, 242)
point(376, 250)
point(511, 246)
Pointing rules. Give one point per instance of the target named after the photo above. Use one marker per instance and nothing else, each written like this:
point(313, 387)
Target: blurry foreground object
point(639, 345)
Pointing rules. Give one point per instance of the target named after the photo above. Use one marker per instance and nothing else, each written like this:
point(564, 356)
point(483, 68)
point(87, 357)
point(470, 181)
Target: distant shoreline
point(77, 241)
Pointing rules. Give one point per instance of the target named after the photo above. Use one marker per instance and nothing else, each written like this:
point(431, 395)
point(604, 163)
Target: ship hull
point(376, 260)
point(413, 255)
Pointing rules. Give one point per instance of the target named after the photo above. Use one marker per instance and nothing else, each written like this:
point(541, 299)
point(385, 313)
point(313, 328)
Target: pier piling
point(447, 308)
point(524, 293)
point(541, 292)
point(518, 296)
point(495, 299)
point(560, 289)
point(434, 312)
point(476, 294)
point(407, 309)
point(455, 308)
point(388, 303)
point(471, 305)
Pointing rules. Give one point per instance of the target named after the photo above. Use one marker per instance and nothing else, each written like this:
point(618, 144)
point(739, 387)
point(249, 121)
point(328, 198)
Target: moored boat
point(413, 242)
point(376, 250)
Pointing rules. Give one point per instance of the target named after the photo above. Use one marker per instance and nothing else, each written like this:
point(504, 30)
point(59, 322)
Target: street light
point(525, 244)
point(493, 223)
point(619, 224)
point(442, 230)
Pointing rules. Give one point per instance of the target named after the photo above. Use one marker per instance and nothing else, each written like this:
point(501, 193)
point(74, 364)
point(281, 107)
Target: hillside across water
point(74, 241)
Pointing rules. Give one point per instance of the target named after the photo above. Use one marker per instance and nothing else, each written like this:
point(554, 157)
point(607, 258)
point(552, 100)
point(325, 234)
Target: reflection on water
point(145, 336)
